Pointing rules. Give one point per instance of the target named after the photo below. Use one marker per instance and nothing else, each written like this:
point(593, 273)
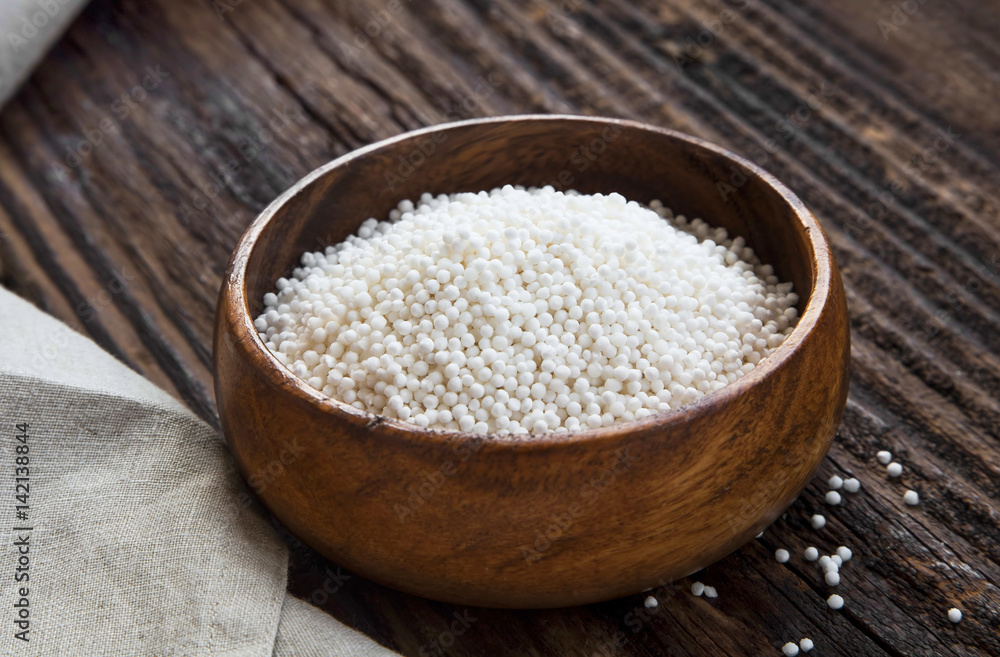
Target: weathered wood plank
point(848, 118)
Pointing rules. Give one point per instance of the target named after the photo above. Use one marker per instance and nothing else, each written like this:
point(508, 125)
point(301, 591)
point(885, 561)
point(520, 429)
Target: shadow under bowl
point(560, 519)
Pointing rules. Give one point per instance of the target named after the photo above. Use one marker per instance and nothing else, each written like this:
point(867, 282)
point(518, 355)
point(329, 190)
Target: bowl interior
point(589, 155)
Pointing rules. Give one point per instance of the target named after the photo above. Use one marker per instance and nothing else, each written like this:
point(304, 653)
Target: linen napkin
point(122, 530)
point(28, 28)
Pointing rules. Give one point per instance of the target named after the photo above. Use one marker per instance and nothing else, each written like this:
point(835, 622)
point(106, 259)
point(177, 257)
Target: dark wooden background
point(128, 239)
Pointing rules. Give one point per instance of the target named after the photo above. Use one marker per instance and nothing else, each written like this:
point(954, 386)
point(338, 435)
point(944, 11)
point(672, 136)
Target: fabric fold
point(305, 631)
point(129, 532)
point(28, 29)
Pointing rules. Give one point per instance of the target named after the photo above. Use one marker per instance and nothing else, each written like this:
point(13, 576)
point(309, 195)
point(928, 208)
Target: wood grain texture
point(856, 121)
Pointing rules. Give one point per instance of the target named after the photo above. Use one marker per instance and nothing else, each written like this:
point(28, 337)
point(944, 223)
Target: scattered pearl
point(818, 521)
point(835, 602)
point(697, 589)
point(911, 497)
point(884, 457)
point(806, 645)
point(710, 592)
point(955, 615)
point(651, 602)
point(811, 554)
point(790, 649)
point(894, 469)
point(588, 310)
point(832, 578)
point(781, 555)
point(833, 497)
point(852, 485)
point(835, 482)
point(844, 553)
point(836, 558)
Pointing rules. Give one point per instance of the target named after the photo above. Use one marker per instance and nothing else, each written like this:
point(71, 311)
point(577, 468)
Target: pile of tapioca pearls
point(524, 311)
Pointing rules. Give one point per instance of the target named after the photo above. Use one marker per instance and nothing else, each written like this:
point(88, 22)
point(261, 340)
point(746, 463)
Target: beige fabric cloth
point(138, 541)
point(305, 631)
point(28, 28)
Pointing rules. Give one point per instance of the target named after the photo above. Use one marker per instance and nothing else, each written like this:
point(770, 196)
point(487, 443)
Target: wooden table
point(881, 116)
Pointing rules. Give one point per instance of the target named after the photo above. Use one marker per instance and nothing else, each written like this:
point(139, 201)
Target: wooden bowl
point(561, 519)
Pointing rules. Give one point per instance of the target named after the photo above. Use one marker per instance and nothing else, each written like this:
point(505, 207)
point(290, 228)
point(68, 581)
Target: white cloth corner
point(28, 28)
point(130, 537)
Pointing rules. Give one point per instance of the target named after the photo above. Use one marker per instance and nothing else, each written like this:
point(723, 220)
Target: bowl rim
point(821, 262)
